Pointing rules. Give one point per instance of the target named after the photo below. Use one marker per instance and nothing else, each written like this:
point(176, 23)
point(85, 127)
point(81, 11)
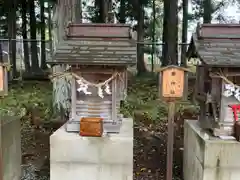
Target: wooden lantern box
point(3, 80)
point(172, 82)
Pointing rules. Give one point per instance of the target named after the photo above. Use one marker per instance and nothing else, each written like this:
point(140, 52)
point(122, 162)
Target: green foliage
point(21, 97)
point(143, 99)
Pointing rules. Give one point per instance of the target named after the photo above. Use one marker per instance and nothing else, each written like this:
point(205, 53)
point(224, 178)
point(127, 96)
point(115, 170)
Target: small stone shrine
point(218, 78)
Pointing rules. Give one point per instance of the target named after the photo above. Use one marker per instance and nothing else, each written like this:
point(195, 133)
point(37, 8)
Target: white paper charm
point(229, 89)
point(107, 89)
point(100, 92)
point(237, 94)
point(83, 87)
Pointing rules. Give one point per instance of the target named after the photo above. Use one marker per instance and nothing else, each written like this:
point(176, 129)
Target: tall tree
point(153, 34)
point(50, 26)
point(24, 35)
point(184, 32)
point(43, 35)
point(78, 11)
point(110, 13)
point(208, 10)
point(122, 13)
point(165, 33)
point(141, 68)
point(172, 29)
point(12, 18)
point(33, 35)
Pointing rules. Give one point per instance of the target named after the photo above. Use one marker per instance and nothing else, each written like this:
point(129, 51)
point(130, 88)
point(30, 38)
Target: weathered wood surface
point(91, 126)
point(217, 45)
point(90, 44)
point(172, 83)
point(95, 51)
point(93, 105)
point(98, 30)
point(3, 81)
point(220, 30)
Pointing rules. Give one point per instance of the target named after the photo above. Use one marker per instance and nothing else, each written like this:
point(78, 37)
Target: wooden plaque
point(172, 83)
point(91, 126)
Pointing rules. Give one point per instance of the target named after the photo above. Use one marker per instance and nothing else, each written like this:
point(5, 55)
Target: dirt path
point(35, 153)
point(150, 156)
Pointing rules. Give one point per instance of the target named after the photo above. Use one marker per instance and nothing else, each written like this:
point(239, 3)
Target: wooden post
point(172, 86)
point(171, 112)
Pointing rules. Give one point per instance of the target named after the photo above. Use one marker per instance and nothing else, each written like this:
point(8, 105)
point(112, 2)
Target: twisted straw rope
point(222, 76)
point(72, 74)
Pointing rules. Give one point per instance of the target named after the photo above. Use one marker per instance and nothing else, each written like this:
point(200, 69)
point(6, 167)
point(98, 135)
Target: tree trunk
point(78, 11)
point(12, 35)
point(50, 27)
point(110, 13)
point(43, 31)
point(171, 41)
point(122, 11)
point(103, 8)
point(153, 36)
point(24, 35)
point(207, 15)
point(165, 33)
point(141, 68)
point(184, 33)
point(33, 33)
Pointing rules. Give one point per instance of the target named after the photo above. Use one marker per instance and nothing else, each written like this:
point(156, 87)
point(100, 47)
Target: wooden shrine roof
point(217, 45)
point(96, 44)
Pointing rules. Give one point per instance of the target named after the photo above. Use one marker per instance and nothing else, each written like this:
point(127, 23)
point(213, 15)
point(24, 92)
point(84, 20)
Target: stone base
point(92, 158)
point(10, 152)
point(207, 157)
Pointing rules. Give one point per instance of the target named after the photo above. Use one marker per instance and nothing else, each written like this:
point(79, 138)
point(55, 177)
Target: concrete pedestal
point(207, 157)
point(10, 148)
point(92, 158)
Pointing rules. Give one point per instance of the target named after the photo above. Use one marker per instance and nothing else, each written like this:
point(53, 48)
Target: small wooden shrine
point(98, 56)
point(217, 78)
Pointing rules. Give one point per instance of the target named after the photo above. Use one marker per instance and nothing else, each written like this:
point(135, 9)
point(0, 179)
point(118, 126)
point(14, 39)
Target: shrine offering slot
point(91, 126)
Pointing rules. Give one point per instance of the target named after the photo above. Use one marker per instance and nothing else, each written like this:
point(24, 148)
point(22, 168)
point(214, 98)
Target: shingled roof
point(96, 44)
point(216, 45)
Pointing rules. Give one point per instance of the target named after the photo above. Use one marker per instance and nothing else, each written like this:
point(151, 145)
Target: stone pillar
point(10, 148)
point(92, 158)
